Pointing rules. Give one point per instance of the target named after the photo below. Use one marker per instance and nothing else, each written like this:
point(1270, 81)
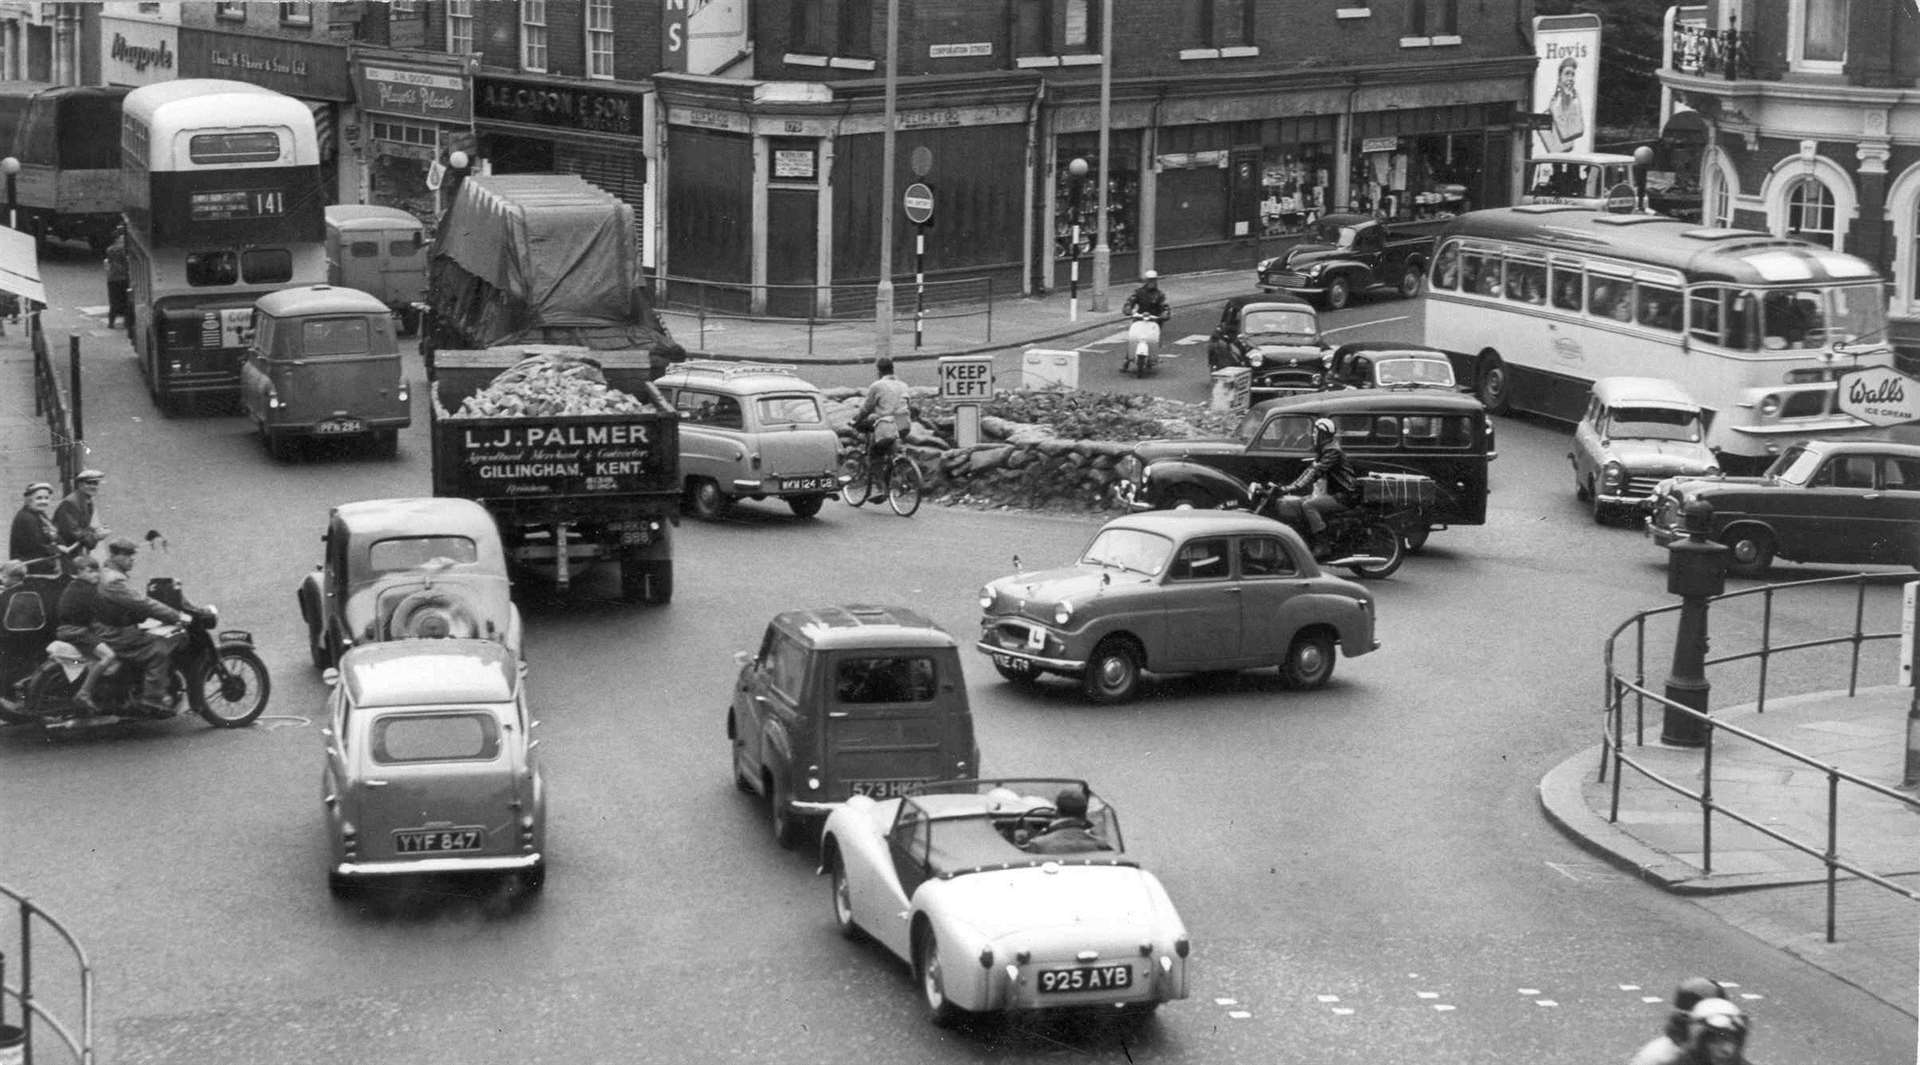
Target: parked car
point(381, 251)
point(323, 364)
point(1349, 253)
point(950, 879)
point(406, 568)
point(1176, 591)
point(1391, 364)
point(848, 700)
point(751, 431)
point(1635, 433)
point(1442, 435)
point(1845, 501)
point(429, 765)
point(1277, 337)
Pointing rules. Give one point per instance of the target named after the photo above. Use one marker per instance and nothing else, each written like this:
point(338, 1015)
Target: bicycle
point(904, 484)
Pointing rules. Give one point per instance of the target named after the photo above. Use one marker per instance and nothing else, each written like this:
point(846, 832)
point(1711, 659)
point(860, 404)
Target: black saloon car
point(1846, 501)
point(1277, 336)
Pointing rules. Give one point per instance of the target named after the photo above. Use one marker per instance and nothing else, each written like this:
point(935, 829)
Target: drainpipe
point(1027, 251)
point(1343, 170)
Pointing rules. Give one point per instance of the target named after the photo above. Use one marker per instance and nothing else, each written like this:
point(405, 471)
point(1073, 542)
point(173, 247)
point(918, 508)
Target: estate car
point(1176, 591)
point(429, 766)
point(751, 431)
point(323, 364)
point(1635, 433)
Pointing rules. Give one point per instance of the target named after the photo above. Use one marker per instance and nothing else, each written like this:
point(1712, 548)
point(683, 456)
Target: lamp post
point(1076, 185)
point(11, 167)
point(1642, 162)
point(1102, 252)
point(883, 291)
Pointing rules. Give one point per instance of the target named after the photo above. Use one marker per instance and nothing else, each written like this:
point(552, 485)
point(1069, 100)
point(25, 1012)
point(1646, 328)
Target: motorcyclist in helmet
point(1331, 469)
point(1146, 300)
point(1670, 1046)
point(1716, 1034)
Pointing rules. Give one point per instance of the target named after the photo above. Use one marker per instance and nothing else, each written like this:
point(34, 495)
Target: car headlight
point(986, 597)
point(1265, 265)
point(1063, 613)
point(1712, 471)
point(1255, 359)
point(1613, 475)
point(1769, 406)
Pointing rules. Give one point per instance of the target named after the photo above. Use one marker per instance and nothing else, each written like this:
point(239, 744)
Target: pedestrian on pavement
point(117, 278)
point(120, 610)
point(1669, 1047)
point(76, 520)
point(32, 539)
point(886, 416)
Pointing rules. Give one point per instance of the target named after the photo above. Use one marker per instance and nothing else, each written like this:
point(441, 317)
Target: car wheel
point(1185, 499)
point(1382, 542)
point(707, 501)
point(1339, 293)
point(338, 886)
point(926, 971)
point(532, 880)
point(1113, 673)
point(1495, 385)
point(1415, 538)
point(1409, 286)
point(1752, 550)
point(279, 446)
point(806, 506)
point(1600, 510)
point(317, 648)
point(386, 443)
point(785, 824)
point(1582, 492)
point(1309, 660)
point(842, 897)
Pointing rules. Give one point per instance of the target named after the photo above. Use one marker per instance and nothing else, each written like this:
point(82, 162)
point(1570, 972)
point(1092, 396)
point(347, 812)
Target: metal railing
point(1619, 688)
point(60, 409)
point(961, 309)
point(1699, 50)
point(33, 1014)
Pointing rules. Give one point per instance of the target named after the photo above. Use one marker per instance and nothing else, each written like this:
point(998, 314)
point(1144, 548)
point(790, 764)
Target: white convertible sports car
point(1006, 895)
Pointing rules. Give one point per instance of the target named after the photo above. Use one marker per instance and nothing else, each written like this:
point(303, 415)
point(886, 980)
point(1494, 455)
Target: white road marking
point(1427, 994)
point(1545, 1002)
point(1366, 325)
point(1629, 987)
point(1226, 1002)
point(1328, 998)
point(1529, 991)
point(1239, 1015)
point(1650, 998)
point(1112, 338)
point(1194, 338)
point(1342, 1011)
point(1441, 1007)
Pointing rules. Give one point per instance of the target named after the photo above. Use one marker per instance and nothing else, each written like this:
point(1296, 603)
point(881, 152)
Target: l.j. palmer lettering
point(558, 436)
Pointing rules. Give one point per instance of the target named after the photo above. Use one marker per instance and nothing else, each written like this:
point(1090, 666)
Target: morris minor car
point(1178, 591)
point(429, 765)
point(1635, 433)
point(1845, 501)
point(848, 700)
point(959, 880)
point(407, 568)
point(323, 364)
point(751, 431)
point(1275, 336)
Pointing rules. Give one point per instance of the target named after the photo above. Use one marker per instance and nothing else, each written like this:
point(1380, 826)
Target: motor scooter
point(1143, 343)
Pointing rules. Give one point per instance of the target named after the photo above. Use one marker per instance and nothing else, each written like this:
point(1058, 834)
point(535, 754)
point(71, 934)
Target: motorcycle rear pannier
point(1397, 489)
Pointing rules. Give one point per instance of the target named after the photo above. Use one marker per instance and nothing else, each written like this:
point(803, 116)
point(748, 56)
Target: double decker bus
point(1548, 298)
point(68, 187)
point(224, 203)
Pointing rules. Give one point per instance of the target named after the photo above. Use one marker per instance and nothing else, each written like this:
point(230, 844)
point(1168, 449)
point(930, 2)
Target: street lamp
point(1642, 161)
point(11, 167)
point(1102, 251)
point(1076, 182)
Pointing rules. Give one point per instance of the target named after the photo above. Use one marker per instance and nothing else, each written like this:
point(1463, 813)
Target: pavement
point(1757, 883)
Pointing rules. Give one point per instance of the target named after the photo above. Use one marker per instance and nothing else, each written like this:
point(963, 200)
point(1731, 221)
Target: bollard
point(1909, 641)
point(1696, 572)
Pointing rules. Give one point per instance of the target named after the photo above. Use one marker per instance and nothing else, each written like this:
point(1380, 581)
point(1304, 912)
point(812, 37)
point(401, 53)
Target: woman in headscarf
point(33, 538)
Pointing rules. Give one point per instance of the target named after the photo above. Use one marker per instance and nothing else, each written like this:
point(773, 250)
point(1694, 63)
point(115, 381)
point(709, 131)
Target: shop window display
point(1123, 197)
point(1294, 185)
point(1421, 177)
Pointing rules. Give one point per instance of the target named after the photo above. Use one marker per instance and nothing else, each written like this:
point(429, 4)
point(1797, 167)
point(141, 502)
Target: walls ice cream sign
point(1879, 396)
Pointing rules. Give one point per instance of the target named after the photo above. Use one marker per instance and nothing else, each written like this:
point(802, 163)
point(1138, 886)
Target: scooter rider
point(120, 610)
point(1146, 300)
point(1330, 466)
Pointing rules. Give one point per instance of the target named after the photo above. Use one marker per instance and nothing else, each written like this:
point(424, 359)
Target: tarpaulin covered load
point(545, 258)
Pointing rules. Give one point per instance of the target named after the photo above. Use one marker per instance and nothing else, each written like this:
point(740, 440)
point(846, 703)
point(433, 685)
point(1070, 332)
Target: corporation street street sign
point(1879, 395)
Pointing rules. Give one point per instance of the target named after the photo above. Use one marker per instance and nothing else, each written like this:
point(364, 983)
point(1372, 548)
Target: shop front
point(312, 71)
point(537, 124)
point(136, 52)
point(414, 112)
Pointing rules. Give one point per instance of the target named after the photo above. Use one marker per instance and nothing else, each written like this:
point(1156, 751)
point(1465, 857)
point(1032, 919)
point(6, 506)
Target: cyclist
point(885, 416)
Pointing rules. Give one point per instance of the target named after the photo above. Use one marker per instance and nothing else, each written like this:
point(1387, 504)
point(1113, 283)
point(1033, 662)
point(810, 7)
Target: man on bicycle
point(886, 417)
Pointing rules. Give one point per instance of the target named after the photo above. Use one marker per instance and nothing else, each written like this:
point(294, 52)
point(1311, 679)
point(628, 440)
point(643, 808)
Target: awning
point(20, 266)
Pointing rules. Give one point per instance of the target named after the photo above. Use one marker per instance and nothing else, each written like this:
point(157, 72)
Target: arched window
point(1718, 199)
point(1810, 211)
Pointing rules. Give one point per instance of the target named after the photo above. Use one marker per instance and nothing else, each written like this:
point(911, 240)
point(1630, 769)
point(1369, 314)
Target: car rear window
point(873, 679)
point(790, 410)
point(335, 336)
point(406, 552)
point(465, 736)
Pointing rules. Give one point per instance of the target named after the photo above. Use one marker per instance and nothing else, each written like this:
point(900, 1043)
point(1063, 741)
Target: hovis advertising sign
point(1566, 82)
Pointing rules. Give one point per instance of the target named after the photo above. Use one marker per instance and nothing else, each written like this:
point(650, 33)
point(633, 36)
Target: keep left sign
point(966, 377)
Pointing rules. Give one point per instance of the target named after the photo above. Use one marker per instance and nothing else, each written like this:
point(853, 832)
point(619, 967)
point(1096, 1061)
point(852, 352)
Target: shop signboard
point(412, 90)
point(310, 70)
point(559, 107)
point(1566, 81)
point(136, 53)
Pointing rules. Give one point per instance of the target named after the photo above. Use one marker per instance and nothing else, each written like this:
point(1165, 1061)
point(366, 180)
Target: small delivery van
point(323, 363)
point(382, 251)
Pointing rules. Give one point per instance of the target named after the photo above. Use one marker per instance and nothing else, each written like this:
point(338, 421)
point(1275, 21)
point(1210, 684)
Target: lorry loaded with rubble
point(541, 350)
